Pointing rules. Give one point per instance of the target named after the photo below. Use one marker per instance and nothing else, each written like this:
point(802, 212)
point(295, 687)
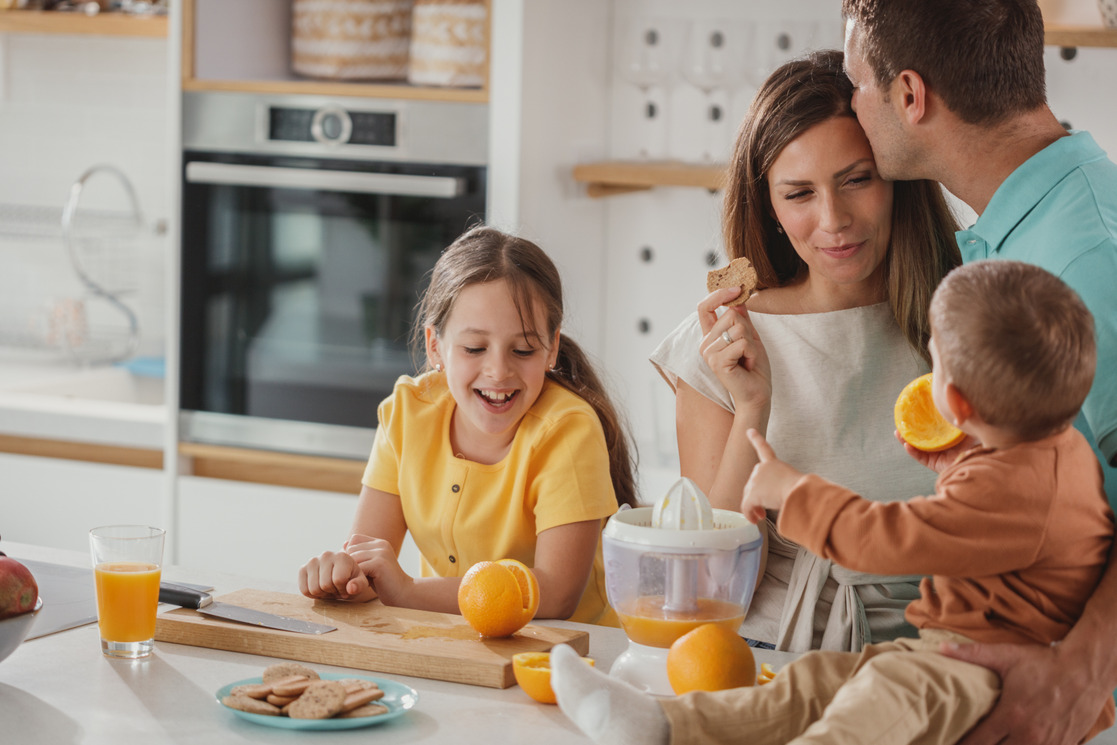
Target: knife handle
point(184, 596)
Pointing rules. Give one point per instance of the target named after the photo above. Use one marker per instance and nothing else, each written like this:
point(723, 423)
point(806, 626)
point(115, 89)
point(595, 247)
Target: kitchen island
point(59, 689)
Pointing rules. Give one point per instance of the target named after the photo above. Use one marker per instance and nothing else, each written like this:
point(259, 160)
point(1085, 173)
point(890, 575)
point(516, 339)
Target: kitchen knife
point(202, 602)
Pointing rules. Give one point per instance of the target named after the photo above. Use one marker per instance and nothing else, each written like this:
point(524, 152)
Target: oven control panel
point(331, 125)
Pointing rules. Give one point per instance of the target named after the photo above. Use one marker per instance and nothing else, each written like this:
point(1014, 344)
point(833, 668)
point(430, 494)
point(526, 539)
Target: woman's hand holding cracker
point(770, 483)
point(732, 348)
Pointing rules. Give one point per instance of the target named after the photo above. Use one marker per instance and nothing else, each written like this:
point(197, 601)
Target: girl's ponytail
point(574, 372)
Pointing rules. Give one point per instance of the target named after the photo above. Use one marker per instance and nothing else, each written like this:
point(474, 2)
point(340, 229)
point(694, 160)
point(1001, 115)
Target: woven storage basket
point(449, 41)
point(351, 39)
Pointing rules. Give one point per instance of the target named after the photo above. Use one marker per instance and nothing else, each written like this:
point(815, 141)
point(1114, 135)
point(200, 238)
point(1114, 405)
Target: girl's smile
point(496, 363)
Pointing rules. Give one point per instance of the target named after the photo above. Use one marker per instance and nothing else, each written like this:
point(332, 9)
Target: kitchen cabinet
point(54, 501)
point(102, 24)
point(245, 46)
point(262, 530)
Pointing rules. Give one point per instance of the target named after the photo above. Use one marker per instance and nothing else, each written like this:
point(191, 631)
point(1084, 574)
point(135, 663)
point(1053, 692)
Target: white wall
point(68, 103)
point(646, 299)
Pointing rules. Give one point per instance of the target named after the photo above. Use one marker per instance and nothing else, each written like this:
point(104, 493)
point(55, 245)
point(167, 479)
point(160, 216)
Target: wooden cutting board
point(369, 636)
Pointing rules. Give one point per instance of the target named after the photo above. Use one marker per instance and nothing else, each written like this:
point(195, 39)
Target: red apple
point(18, 589)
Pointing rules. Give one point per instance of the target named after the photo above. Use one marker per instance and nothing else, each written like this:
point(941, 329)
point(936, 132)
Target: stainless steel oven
point(309, 228)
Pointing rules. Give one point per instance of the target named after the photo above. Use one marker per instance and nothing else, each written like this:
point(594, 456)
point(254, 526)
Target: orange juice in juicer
point(671, 568)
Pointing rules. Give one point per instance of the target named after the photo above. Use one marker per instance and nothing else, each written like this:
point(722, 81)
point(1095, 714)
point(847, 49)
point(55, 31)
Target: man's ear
point(960, 407)
point(909, 93)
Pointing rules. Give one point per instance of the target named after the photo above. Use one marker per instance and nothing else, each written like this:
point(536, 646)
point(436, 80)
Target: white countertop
point(60, 689)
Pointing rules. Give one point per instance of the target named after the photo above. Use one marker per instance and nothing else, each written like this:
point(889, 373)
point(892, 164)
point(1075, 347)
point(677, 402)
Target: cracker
point(253, 690)
point(368, 710)
point(356, 699)
point(292, 686)
point(286, 670)
point(251, 705)
point(322, 699)
point(739, 273)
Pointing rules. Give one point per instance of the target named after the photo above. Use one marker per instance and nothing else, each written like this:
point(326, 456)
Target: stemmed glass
point(714, 62)
point(645, 58)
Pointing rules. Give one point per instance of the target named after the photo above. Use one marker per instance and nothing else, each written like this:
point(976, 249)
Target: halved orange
point(918, 419)
point(498, 598)
point(533, 673)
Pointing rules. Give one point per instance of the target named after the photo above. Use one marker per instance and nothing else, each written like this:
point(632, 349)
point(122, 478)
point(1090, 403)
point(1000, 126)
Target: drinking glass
point(127, 562)
point(713, 61)
point(644, 57)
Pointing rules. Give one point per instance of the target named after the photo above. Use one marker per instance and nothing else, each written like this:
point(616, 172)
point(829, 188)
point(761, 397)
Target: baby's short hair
point(1017, 342)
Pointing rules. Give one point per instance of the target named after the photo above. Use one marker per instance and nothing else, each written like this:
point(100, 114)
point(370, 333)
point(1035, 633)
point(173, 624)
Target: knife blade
point(204, 603)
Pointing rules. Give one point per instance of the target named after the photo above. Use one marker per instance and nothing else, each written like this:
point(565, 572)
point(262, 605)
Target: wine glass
point(645, 58)
point(714, 62)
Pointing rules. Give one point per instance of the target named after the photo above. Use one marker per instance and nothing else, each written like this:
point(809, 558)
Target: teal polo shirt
point(1059, 211)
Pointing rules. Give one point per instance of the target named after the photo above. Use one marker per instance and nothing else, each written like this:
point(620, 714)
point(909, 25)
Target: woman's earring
point(438, 367)
point(779, 228)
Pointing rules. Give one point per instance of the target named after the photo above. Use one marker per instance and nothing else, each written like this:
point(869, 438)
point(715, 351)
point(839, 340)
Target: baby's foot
point(607, 710)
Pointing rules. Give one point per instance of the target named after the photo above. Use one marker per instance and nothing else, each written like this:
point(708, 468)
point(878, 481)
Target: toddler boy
point(1014, 539)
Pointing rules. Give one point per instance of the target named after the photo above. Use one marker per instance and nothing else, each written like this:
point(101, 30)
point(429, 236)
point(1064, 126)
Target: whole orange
point(710, 658)
point(918, 419)
point(498, 598)
point(533, 673)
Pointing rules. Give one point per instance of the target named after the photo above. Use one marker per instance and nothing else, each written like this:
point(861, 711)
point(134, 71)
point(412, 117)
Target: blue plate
point(397, 697)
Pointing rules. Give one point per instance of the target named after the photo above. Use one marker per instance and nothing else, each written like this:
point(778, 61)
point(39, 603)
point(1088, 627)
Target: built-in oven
point(310, 226)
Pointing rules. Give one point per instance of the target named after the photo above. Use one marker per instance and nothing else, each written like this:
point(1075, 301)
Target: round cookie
point(286, 670)
point(251, 705)
point(321, 700)
point(368, 710)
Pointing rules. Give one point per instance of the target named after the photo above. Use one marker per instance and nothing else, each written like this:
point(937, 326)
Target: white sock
point(607, 710)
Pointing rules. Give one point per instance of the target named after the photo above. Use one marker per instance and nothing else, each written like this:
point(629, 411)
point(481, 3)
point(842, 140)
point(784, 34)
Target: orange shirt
point(1015, 539)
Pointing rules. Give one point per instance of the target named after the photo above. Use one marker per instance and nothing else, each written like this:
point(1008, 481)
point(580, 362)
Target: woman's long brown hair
point(797, 96)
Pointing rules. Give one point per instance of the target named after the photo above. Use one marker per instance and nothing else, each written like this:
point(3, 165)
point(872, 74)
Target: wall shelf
point(1081, 36)
point(102, 24)
point(606, 178)
point(245, 47)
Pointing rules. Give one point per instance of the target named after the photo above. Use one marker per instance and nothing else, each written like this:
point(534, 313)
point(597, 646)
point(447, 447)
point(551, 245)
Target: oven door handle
point(274, 177)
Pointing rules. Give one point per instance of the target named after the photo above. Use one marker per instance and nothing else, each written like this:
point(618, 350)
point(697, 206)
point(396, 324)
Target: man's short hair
point(983, 58)
point(1017, 342)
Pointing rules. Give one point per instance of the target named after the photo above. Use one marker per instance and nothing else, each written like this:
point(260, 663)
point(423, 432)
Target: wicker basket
point(449, 41)
point(351, 39)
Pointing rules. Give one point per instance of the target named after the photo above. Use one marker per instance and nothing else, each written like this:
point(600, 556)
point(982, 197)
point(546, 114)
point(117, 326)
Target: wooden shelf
point(233, 74)
point(607, 178)
point(102, 24)
point(1081, 36)
point(331, 88)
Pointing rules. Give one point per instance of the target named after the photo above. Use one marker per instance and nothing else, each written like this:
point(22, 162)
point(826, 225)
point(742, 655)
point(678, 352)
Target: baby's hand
point(770, 483)
point(941, 460)
point(335, 575)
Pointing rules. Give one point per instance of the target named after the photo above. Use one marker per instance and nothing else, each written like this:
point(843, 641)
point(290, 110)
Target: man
point(953, 90)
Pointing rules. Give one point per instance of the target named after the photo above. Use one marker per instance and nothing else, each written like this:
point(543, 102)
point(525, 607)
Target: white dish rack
point(75, 270)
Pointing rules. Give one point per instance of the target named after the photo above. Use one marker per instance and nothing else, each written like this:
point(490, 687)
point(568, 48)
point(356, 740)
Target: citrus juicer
point(671, 568)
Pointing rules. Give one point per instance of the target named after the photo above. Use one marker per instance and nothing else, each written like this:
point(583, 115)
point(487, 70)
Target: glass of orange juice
point(127, 560)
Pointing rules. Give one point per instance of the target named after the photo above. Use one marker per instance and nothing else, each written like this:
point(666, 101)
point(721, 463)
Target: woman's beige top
point(835, 378)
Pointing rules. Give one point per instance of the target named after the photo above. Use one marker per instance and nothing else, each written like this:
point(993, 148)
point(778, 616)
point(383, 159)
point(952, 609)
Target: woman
point(847, 263)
